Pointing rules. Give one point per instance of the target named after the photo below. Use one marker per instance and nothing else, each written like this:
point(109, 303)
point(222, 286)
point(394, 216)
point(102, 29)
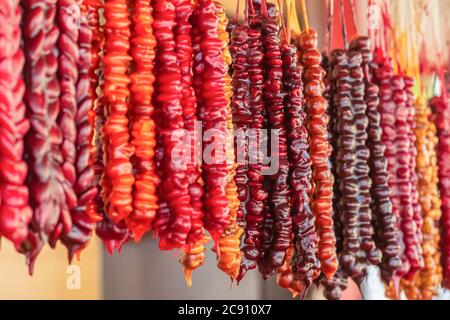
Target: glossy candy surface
point(229, 253)
point(319, 150)
point(142, 125)
point(15, 212)
point(304, 262)
point(441, 111)
point(173, 222)
point(212, 112)
point(83, 215)
point(118, 176)
point(44, 156)
point(257, 195)
point(383, 217)
point(279, 198)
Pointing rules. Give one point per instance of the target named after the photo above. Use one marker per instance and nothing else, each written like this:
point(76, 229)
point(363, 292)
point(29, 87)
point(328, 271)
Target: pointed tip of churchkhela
point(75, 251)
point(113, 245)
point(241, 275)
point(215, 235)
point(110, 246)
point(188, 276)
point(302, 293)
point(138, 230)
point(294, 293)
point(396, 283)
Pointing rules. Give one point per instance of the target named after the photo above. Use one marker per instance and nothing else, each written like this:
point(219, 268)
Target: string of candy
point(142, 125)
point(47, 198)
point(174, 228)
point(388, 237)
point(241, 112)
point(15, 212)
point(118, 177)
point(83, 215)
point(279, 198)
point(229, 255)
point(68, 61)
point(305, 263)
point(333, 287)
point(320, 150)
point(214, 101)
point(114, 235)
point(441, 111)
point(257, 194)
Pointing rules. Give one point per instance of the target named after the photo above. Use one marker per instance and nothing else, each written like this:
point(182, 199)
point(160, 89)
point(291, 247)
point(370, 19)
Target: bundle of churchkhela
point(124, 118)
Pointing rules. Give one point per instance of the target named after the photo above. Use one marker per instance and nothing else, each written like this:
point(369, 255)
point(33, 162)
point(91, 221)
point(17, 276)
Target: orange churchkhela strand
point(229, 254)
point(285, 276)
point(426, 282)
point(193, 258)
point(213, 101)
point(118, 177)
point(113, 235)
point(320, 150)
point(142, 127)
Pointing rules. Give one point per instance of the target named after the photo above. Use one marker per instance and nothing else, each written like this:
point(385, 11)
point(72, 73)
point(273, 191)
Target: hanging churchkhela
point(15, 211)
point(133, 117)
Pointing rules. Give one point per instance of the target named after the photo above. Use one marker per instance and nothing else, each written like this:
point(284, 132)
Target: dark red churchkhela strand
point(83, 215)
point(142, 126)
point(382, 72)
point(345, 163)
point(388, 236)
point(257, 194)
point(240, 108)
point(371, 253)
point(44, 156)
point(414, 179)
point(333, 287)
point(274, 94)
point(15, 212)
point(408, 224)
point(305, 264)
point(441, 110)
point(320, 151)
point(68, 60)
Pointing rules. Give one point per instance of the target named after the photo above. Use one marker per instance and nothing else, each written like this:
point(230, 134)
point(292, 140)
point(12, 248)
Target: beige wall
point(50, 276)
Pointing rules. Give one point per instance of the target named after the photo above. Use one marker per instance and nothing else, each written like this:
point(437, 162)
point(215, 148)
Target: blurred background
point(141, 271)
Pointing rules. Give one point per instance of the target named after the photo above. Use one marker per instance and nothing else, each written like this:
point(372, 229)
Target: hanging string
point(264, 9)
point(344, 25)
point(251, 8)
point(246, 8)
point(293, 25)
point(280, 6)
point(304, 14)
point(369, 26)
point(236, 14)
point(288, 20)
point(355, 23)
point(389, 28)
point(329, 34)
